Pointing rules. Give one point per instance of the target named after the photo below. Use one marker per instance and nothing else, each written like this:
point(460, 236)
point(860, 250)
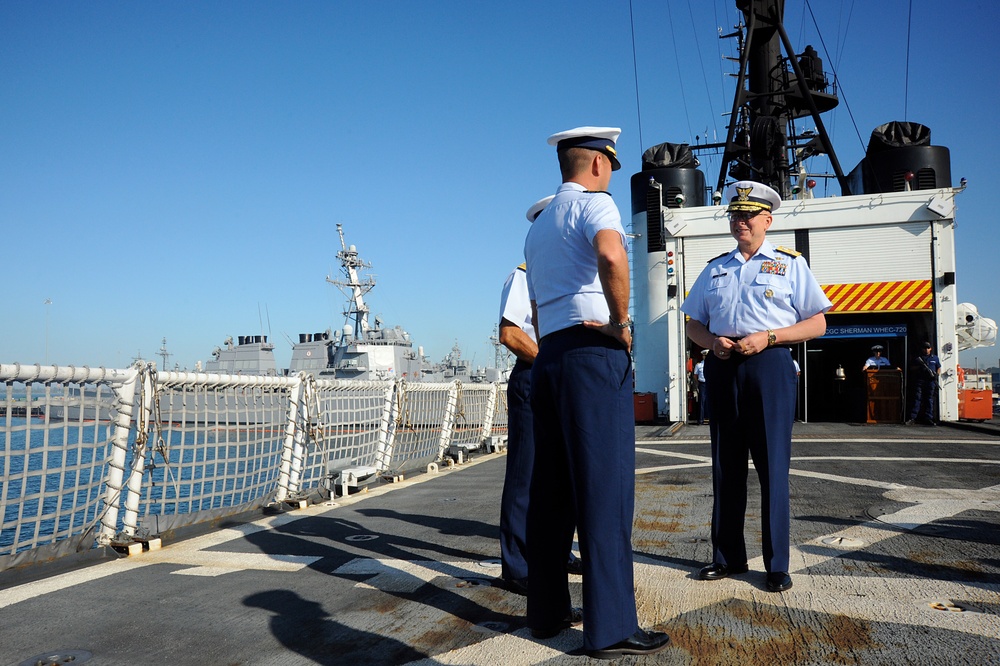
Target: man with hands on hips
point(581, 401)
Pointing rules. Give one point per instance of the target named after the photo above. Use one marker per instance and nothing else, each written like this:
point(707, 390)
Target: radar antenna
point(164, 354)
point(353, 287)
point(501, 357)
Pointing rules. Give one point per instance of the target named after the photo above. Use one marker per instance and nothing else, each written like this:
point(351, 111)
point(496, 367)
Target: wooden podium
point(885, 395)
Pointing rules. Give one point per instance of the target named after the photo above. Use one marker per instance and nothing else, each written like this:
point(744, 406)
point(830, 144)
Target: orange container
point(645, 407)
point(975, 405)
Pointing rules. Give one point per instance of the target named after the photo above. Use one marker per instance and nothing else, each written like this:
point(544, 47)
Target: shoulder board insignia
point(718, 257)
point(523, 267)
point(596, 192)
point(788, 251)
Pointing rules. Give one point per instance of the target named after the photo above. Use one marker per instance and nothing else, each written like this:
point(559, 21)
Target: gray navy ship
point(365, 349)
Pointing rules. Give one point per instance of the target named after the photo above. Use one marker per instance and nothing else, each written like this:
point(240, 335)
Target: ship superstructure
point(883, 251)
point(366, 349)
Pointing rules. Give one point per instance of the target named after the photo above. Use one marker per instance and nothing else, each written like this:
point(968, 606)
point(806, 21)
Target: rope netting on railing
point(104, 456)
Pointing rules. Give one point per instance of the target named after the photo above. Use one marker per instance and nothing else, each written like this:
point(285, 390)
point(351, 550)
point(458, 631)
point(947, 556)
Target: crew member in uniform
point(925, 369)
point(745, 307)
point(699, 373)
point(518, 335)
point(581, 398)
point(876, 360)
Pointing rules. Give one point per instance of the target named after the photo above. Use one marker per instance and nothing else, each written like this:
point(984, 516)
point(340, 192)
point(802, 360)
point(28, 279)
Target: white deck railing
point(97, 457)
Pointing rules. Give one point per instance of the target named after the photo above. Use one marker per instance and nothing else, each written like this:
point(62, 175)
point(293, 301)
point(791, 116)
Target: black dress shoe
point(515, 585)
point(574, 618)
point(575, 565)
point(716, 571)
point(778, 581)
point(641, 642)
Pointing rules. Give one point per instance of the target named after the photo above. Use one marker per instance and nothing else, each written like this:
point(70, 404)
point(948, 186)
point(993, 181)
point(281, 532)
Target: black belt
point(734, 339)
point(521, 365)
point(571, 330)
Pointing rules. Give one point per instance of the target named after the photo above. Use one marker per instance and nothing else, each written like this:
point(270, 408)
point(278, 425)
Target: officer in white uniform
point(518, 335)
point(581, 397)
point(876, 360)
point(745, 306)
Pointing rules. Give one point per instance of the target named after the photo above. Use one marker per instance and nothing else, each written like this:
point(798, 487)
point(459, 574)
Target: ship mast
point(164, 354)
point(500, 355)
point(761, 143)
point(350, 262)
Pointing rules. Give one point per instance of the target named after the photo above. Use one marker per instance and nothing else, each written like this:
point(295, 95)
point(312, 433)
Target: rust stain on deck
point(759, 633)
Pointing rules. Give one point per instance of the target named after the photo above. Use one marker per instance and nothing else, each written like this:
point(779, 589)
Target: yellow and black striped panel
point(901, 296)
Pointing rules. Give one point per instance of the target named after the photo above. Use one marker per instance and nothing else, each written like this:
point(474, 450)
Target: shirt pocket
point(720, 280)
point(720, 293)
point(769, 288)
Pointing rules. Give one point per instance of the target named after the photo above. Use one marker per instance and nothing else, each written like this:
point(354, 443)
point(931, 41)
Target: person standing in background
point(876, 360)
point(798, 375)
point(517, 334)
point(926, 368)
point(699, 372)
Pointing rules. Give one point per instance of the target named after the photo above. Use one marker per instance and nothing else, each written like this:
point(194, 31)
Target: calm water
point(51, 479)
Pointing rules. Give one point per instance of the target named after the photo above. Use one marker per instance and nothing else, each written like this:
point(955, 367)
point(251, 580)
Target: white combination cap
point(537, 207)
point(601, 139)
point(751, 197)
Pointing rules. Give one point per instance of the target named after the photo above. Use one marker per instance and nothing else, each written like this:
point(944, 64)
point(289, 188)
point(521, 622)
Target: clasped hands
point(748, 346)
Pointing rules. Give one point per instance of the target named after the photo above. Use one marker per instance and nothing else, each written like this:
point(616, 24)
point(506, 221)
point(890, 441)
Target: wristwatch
point(622, 325)
point(771, 338)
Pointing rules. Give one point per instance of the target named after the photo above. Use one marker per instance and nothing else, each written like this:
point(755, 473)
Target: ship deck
point(895, 559)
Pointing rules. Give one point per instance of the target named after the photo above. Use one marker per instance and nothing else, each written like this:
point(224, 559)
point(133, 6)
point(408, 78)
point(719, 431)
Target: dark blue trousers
point(584, 474)
point(924, 399)
point(753, 409)
point(520, 459)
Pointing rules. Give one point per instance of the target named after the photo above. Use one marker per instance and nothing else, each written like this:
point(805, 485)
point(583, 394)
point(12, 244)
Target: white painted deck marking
point(838, 440)
point(216, 563)
point(664, 589)
point(19, 593)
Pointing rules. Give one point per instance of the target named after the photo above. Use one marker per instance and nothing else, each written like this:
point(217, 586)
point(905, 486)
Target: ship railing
point(118, 457)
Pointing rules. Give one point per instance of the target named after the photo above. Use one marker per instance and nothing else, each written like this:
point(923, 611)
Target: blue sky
point(177, 170)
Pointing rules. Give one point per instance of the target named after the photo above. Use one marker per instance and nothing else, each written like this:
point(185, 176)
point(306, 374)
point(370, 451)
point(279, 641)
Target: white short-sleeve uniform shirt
point(515, 306)
point(773, 289)
point(562, 263)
